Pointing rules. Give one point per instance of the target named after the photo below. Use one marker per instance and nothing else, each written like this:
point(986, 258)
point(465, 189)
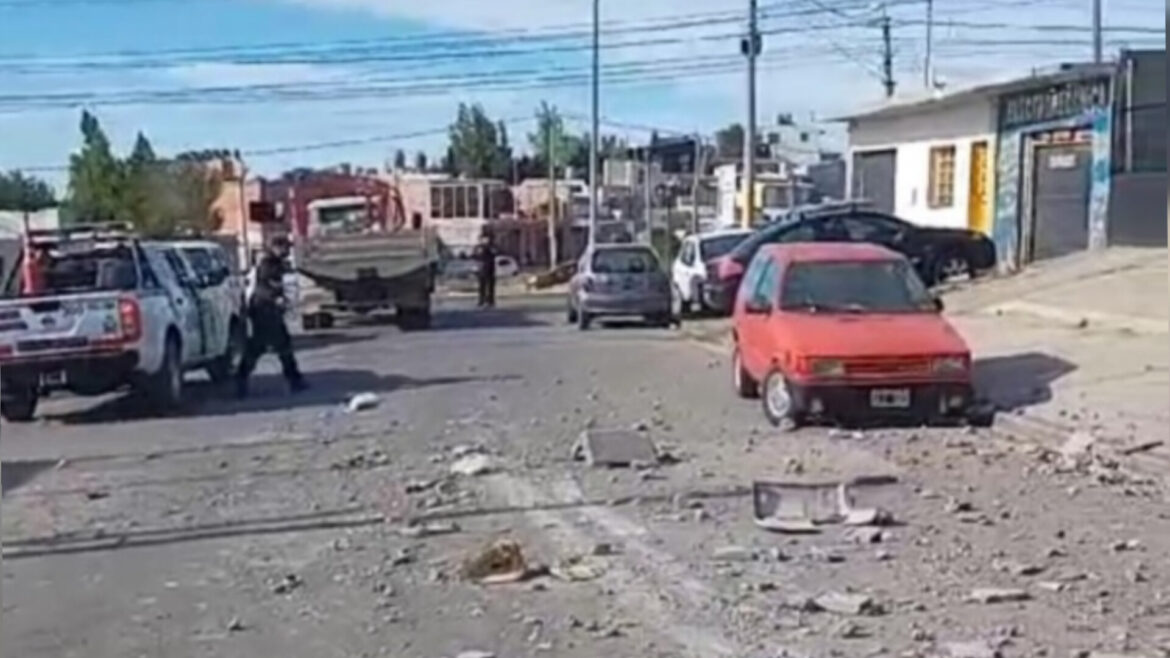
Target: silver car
point(615, 280)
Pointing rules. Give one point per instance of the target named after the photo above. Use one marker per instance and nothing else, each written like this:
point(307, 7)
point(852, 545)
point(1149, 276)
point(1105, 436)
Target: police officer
point(485, 253)
point(266, 306)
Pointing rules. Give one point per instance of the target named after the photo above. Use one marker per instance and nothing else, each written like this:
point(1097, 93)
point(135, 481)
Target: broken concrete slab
point(797, 507)
point(847, 604)
point(502, 562)
point(991, 595)
point(615, 447)
point(472, 465)
point(972, 649)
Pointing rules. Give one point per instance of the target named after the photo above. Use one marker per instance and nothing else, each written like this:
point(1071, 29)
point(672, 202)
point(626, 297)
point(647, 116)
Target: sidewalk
point(1078, 343)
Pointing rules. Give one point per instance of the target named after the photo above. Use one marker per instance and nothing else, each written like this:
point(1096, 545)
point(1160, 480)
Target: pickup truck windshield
point(100, 269)
point(854, 287)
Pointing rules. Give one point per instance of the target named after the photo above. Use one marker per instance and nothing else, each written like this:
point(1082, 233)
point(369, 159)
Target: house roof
point(928, 103)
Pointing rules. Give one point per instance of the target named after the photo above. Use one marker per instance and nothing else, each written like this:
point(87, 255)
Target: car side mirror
point(757, 306)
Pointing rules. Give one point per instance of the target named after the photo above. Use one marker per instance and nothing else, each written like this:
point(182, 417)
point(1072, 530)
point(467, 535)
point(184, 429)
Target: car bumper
point(596, 304)
point(96, 370)
point(857, 401)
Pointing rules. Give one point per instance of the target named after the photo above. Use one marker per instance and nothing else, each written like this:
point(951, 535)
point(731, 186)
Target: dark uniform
point(266, 314)
point(485, 253)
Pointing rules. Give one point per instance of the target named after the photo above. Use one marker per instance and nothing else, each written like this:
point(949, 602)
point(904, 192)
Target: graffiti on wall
point(1013, 162)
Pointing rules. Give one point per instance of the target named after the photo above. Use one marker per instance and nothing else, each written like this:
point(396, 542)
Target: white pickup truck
point(114, 311)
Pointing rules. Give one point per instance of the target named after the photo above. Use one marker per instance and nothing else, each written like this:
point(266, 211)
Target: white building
point(12, 221)
point(928, 161)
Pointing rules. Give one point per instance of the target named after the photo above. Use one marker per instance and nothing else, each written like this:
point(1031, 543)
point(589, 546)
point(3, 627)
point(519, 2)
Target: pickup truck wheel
point(414, 319)
point(742, 382)
point(166, 386)
point(584, 319)
point(779, 405)
point(223, 368)
point(19, 406)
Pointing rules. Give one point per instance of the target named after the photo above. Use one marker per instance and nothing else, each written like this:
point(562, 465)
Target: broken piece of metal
point(803, 507)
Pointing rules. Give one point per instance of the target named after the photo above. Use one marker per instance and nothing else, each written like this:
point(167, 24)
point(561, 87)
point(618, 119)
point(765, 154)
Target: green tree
point(140, 179)
point(420, 161)
point(20, 192)
point(95, 176)
point(399, 160)
point(729, 141)
point(550, 133)
point(475, 147)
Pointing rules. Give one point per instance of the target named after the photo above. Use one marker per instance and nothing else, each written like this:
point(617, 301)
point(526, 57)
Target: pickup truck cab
point(846, 331)
point(114, 311)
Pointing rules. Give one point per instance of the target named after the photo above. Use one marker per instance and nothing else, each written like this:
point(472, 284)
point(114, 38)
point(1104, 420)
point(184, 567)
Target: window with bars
point(941, 186)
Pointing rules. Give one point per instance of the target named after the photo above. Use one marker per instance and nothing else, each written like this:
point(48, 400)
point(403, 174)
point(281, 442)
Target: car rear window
point(99, 268)
point(886, 286)
point(715, 247)
point(631, 260)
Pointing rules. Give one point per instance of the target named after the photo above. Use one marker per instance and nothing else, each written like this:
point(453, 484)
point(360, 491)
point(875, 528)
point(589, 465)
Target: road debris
point(473, 465)
point(848, 604)
point(733, 554)
point(991, 595)
point(970, 649)
point(1141, 447)
point(428, 529)
point(362, 402)
point(235, 625)
point(615, 448)
point(475, 653)
point(577, 569)
point(500, 563)
point(802, 507)
point(287, 584)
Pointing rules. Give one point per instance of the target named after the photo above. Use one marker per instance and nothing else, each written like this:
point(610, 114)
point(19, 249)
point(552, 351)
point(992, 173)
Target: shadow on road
point(491, 318)
point(1019, 380)
point(318, 340)
point(16, 474)
point(268, 392)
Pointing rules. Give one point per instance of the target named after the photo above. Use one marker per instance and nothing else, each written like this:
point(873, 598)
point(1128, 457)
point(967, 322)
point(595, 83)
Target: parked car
point(468, 268)
point(938, 254)
point(506, 267)
point(114, 311)
point(845, 331)
point(619, 280)
point(695, 263)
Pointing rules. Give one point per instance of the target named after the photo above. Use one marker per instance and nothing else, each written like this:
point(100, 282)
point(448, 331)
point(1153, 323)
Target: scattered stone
point(1019, 568)
point(603, 549)
point(429, 529)
point(502, 562)
point(577, 569)
point(990, 595)
point(776, 554)
point(1051, 586)
point(1127, 545)
point(476, 654)
point(973, 649)
point(472, 465)
point(848, 604)
point(287, 584)
point(97, 495)
point(235, 625)
point(867, 535)
point(822, 555)
point(848, 630)
point(362, 402)
point(956, 506)
point(733, 554)
point(419, 486)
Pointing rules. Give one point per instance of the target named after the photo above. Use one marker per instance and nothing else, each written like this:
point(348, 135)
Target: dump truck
point(354, 253)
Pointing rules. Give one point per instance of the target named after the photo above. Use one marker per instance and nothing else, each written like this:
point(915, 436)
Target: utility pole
point(1097, 54)
point(594, 138)
point(751, 49)
point(696, 171)
point(887, 56)
point(927, 72)
point(554, 206)
point(648, 202)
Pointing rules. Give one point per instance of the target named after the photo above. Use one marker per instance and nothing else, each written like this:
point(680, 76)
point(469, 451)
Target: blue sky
point(821, 57)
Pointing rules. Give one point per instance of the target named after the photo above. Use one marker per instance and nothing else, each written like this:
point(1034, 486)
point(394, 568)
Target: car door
point(185, 304)
point(209, 284)
point(749, 326)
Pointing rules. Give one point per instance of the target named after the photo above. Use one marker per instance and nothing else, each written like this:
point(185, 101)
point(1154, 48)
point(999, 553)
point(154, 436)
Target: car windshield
point(887, 286)
point(715, 247)
point(626, 260)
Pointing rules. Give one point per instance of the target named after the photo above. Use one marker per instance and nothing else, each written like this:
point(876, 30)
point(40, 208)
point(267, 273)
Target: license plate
point(54, 378)
point(889, 398)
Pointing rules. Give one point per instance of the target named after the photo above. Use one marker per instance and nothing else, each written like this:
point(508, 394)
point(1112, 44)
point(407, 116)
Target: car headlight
point(827, 367)
point(949, 364)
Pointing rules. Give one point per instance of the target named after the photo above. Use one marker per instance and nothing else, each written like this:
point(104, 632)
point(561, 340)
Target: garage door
point(873, 178)
point(1061, 200)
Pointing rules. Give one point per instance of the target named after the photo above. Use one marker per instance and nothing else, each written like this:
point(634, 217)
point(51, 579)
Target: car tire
point(659, 320)
point(224, 367)
point(166, 386)
point(950, 266)
point(745, 387)
point(571, 314)
point(414, 319)
point(20, 405)
point(778, 402)
point(584, 320)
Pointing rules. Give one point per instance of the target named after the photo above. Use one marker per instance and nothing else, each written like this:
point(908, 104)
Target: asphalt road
point(272, 526)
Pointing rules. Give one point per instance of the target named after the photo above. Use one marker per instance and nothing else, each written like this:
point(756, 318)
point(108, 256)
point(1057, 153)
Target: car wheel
point(19, 404)
point(225, 366)
point(166, 389)
point(951, 266)
point(584, 319)
point(741, 380)
point(570, 313)
point(414, 319)
point(779, 405)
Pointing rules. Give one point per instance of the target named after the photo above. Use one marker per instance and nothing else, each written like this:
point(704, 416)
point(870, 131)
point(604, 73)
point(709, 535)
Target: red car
point(845, 331)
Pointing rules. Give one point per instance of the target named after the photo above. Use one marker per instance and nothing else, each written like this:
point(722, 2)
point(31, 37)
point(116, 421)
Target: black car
point(938, 254)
